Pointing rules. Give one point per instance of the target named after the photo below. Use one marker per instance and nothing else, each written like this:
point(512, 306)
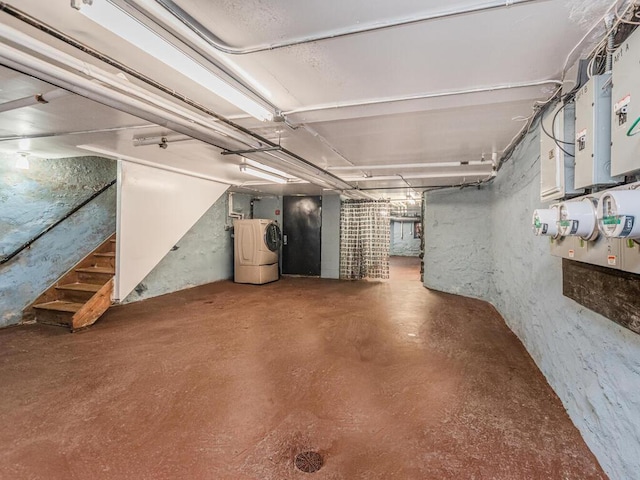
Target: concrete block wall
point(31, 200)
point(592, 363)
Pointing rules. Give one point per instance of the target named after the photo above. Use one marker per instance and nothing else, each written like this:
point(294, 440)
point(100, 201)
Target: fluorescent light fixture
point(22, 162)
point(122, 24)
point(256, 172)
point(268, 169)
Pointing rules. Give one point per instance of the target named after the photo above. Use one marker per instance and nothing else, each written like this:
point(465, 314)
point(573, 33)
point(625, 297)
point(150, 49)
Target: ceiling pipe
point(31, 100)
point(77, 132)
point(428, 175)
point(413, 165)
point(157, 166)
point(421, 96)
point(187, 20)
point(198, 126)
point(160, 140)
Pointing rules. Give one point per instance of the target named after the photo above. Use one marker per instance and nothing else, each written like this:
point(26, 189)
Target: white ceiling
point(321, 85)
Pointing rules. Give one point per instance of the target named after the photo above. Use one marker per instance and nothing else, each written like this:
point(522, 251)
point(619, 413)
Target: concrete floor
point(385, 379)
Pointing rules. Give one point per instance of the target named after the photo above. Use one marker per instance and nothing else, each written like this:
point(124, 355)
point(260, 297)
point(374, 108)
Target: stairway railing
point(28, 243)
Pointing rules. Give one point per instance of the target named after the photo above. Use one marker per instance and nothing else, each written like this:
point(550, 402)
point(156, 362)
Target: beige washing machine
point(256, 250)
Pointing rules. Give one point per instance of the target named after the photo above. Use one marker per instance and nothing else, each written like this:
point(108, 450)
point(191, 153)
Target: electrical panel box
point(625, 146)
point(557, 166)
point(593, 133)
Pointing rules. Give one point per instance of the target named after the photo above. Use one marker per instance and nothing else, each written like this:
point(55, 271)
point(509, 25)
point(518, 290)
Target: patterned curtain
point(364, 239)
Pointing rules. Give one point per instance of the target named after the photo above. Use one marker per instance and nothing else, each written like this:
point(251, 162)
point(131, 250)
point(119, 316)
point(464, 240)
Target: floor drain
point(309, 462)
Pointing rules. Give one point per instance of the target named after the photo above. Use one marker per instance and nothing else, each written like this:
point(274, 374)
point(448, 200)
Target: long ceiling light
point(256, 172)
point(128, 28)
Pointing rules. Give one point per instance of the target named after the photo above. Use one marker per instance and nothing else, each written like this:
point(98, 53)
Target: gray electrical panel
point(625, 147)
point(593, 133)
point(556, 166)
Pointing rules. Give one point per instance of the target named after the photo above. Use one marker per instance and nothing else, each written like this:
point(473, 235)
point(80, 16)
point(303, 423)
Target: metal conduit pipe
point(38, 99)
point(250, 139)
point(102, 94)
point(77, 132)
point(422, 96)
point(157, 166)
point(160, 140)
point(196, 27)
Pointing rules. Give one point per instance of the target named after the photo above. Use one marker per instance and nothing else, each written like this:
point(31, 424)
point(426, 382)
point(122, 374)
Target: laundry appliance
point(257, 245)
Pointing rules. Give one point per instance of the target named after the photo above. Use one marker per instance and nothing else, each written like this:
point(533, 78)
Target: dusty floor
point(386, 379)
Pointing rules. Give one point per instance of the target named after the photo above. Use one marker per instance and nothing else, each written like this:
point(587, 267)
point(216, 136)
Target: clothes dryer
point(257, 245)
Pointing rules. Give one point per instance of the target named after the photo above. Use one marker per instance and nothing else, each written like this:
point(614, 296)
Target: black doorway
point(301, 229)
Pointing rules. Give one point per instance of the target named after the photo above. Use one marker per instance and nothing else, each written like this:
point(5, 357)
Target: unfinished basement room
point(273, 240)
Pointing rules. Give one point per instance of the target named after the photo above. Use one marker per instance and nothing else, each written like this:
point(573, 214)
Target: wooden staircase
point(82, 295)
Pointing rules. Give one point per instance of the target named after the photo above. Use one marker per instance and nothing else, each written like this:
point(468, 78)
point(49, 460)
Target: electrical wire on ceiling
point(540, 106)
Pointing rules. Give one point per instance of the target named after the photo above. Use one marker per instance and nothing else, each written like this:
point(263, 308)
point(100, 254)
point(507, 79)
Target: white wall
point(204, 255)
point(592, 363)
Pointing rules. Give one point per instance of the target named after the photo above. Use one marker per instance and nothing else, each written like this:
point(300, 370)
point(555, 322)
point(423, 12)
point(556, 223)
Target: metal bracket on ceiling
point(251, 150)
point(77, 4)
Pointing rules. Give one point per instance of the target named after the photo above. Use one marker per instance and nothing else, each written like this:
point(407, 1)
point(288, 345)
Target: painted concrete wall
point(456, 229)
point(265, 207)
point(203, 255)
point(330, 254)
point(30, 200)
point(402, 242)
point(591, 362)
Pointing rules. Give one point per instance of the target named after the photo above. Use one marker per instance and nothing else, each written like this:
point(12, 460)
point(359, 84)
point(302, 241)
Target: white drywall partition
point(155, 209)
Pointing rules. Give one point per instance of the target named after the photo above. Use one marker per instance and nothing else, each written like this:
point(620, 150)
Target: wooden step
point(97, 275)
point(106, 259)
point(58, 312)
point(59, 306)
point(78, 292)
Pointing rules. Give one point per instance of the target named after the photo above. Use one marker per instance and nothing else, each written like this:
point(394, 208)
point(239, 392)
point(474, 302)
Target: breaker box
point(557, 167)
point(593, 134)
point(625, 146)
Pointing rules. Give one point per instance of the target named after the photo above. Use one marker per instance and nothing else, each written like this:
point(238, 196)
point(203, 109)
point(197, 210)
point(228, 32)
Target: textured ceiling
point(348, 101)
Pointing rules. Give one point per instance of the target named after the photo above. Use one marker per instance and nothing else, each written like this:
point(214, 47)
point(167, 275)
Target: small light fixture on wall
point(22, 161)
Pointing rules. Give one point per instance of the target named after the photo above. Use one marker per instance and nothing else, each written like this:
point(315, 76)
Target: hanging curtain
point(364, 239)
